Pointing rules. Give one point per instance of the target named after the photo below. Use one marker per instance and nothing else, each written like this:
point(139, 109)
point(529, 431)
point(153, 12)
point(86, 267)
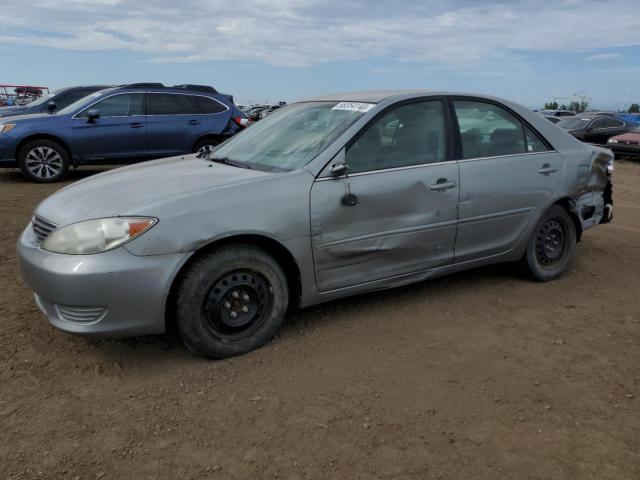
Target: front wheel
point(231, 301)
point(43, 161)
point(552, 245)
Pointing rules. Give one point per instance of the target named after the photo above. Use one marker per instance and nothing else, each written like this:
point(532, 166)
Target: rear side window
point(411, 134)
point(608, 123)
point(208, 105)
point(488, 130)
point(124, 105)
point(170, 104)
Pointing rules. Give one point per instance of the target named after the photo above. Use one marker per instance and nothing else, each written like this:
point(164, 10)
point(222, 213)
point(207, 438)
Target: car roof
point(373, 96)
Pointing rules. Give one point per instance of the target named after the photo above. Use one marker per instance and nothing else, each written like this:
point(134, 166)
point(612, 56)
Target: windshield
point(80, 103)
point(292, 136)
point(42, 100)
point(573, 123)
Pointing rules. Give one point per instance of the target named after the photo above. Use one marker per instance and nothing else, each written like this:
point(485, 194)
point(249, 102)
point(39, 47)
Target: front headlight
point(613, 140)
point(5, 127)
point(96, 236)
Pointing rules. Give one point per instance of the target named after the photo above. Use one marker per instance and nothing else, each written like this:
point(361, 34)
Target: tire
point(202, 147)
point(552, 245)
point(43, 161)
point(240, 280)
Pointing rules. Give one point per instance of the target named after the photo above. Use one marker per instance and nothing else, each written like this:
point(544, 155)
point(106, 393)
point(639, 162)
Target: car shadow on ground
point(334, 313)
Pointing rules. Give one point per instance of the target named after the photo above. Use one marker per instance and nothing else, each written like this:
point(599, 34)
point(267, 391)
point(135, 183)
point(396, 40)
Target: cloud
point(299, 33)
point(604, 56)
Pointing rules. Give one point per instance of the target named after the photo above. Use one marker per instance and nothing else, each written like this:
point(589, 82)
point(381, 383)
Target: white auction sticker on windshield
point(354, 106)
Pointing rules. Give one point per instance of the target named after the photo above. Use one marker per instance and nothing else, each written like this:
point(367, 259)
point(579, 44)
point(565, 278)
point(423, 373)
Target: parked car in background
point(254, 112)
point(593, 127)
point(557, 113)
point(553, 119)
point(627, 144)
point(52, 102)
point(118, 125)
point(330, 197)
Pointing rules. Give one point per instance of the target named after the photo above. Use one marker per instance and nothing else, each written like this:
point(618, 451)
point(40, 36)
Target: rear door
point(508, 173)
point(406, 200)
point(119, 133)
point(174, 123)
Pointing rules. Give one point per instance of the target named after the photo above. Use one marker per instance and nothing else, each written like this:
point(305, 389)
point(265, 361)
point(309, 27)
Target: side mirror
point(51, 106)
point(92, 115)
point(339, 169)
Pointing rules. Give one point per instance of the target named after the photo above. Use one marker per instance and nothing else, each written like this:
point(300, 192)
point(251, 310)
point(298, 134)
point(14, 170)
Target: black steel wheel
point(552, 246)
point(238, 304)
point(230, 301)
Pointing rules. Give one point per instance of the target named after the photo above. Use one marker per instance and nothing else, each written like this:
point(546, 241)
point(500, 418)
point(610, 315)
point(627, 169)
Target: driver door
point(406, 193)
point(119, 133)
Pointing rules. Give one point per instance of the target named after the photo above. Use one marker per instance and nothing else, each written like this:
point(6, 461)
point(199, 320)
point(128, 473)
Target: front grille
point(81, 314)
point(42, 228)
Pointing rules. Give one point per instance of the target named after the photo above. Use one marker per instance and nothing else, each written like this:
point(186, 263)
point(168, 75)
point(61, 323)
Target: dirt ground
point(481, 375)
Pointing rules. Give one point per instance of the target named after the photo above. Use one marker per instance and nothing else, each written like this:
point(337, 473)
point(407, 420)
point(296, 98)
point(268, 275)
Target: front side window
point(292, 136)
point(411, 134)
point(170, 104)
point(124, 105)
point(487, 130)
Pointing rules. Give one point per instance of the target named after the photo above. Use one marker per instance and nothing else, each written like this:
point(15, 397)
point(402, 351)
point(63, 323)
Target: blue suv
point(119, 125)
point(53, 101)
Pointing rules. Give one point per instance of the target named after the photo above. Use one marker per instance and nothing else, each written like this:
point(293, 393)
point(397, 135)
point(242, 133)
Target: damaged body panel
point(347, 193)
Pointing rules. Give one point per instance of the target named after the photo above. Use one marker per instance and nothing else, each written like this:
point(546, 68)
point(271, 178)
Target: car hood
point(627, 137)
point(31, 117)
point(144, 189)
point(8, 111)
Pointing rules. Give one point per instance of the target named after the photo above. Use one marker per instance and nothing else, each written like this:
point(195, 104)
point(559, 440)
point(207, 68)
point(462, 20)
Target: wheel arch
point(217, 137)
point(570, 206)
point(45, 136)
point(277, 250)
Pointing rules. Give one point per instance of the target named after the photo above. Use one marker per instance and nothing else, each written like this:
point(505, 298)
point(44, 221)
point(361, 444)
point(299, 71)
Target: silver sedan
point(323, 199)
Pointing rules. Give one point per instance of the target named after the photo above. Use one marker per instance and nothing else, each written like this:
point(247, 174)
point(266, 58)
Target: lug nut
point(245, 309)
point(227, 305)
point(245, 297)
point(235, 294)
point(233, 314)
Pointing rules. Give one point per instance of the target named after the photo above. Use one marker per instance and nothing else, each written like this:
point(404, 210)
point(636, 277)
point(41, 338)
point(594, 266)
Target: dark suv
point(119, 125)
point(52, 102)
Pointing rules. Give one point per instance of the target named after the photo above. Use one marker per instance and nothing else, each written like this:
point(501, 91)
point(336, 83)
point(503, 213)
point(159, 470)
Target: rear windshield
point(573, 123)
point(292, 136)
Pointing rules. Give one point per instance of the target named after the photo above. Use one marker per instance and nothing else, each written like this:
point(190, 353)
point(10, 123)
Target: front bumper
point(111, 294)
point(631, 150)
point(7, 156)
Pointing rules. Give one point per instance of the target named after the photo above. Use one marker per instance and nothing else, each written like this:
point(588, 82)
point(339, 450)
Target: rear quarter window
point(208, 105)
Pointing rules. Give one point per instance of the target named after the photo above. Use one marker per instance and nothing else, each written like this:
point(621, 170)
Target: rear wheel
point(552, 246)
point(231, 301)
point(205, 146)
point(43, 161)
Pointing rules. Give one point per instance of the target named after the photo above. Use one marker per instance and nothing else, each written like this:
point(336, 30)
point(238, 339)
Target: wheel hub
point(44, 162)
point(550, 242)
point(238, 303)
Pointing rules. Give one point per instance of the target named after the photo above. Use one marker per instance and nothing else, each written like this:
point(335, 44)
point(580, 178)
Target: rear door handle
point(547, 169)
point(136, 125)
point(194, 122)
point(443, 184)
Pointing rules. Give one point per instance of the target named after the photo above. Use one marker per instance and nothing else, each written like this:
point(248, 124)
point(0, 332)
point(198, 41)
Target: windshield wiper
point(228, 161)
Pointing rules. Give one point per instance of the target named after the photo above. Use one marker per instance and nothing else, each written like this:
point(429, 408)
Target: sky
point(528, 51)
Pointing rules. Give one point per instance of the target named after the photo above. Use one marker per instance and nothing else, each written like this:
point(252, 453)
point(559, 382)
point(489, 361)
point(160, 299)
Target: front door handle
point(443, 184)
point(547, 169)
point(136, 125)
point(194, 122)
